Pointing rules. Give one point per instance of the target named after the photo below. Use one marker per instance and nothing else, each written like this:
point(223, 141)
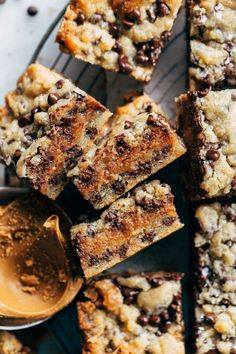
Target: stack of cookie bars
point(207, 122)
point(52, 133)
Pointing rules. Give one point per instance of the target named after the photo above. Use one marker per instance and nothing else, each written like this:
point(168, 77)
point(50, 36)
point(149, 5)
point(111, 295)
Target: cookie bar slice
point(215, 246)
point(143, 217)
point(126, 36)
point(49, 125)
point(215, 329)
point(9, 344)
point(207, 123)
point(139, 313)
point(140, 143)
point(212, 43)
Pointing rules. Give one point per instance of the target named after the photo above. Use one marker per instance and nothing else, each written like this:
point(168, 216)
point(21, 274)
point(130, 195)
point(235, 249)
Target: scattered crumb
point(31, 280)
point(29, 262)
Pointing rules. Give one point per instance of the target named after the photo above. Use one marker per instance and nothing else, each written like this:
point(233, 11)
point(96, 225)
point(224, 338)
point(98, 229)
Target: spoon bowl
point(38, 277)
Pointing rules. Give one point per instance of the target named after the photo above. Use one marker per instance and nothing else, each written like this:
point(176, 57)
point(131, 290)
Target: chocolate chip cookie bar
point(207, 123)
point(133, 313)
point(126, 36)
point(212, 43)
point(140, 142)
point(47, 127)
point(9, 344)
point(144, 216)
point(215, 279)
point(216, 329)
point(215, 246)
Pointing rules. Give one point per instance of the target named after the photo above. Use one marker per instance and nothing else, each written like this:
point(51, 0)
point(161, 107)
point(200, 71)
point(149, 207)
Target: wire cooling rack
point(169, 80)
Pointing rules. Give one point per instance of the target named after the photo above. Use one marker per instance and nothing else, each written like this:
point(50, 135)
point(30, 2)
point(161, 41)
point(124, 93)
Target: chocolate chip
point(233, 183)
point(96, 198)
point(112, 217)
point(165, 36)
point(164, 327)
point(129, 293)
point(96, 18)
point(92, 132)
point(66, 96)
point(233, 98)
point(162, 9)
point(59, 84)
point(155, 43)
point(19, 90)
point(210, 318)
point(91, 231)
point(212, 155)
point(80, 18)
point(229, 46)
point(144, 168)
point(87, 175)
point(118, 187)
point(121, 146)
point(25, 120)
point(172, 310)
point(152, 121)
point(53, 99)
point(117, 47)
point(142, 59)
point(79, 96)
point(134, 15)
point(32, 10)
point(155, 282)
point(169, 220)
point(148, 236)
point(154, 321)
point(142, 320)
point(114, 30)
point(17, 155)
point(124, 65)
point(127, 125)
point(111, 347)
point(213, 351)
point(152, 16)
point(127, 24)
point(151, 204)
point(122, 250)
point(164, 315)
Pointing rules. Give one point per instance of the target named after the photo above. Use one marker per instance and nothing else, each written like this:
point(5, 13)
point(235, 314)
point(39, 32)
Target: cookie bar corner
point(133, 307)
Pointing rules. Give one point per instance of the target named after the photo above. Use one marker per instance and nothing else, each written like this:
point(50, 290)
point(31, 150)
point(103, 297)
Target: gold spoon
point(37, 277)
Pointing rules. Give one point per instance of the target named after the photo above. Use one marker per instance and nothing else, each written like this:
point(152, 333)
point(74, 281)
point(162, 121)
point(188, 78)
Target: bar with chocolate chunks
point(140, 142)
point(215, 248)
point(212, 43)
point(207, 124)
point(216, 329)
point(128, 225)
point(46, 128)
point(126, 36)
point(133, 313)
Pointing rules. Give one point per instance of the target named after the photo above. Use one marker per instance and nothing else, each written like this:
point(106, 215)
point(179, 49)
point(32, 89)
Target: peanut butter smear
point(35, 275)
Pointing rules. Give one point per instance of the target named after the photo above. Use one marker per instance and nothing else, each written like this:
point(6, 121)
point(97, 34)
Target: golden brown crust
point(140, 143)
point(126, 227)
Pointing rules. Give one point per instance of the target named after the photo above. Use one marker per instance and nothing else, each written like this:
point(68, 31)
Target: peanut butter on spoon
point(37, 278)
